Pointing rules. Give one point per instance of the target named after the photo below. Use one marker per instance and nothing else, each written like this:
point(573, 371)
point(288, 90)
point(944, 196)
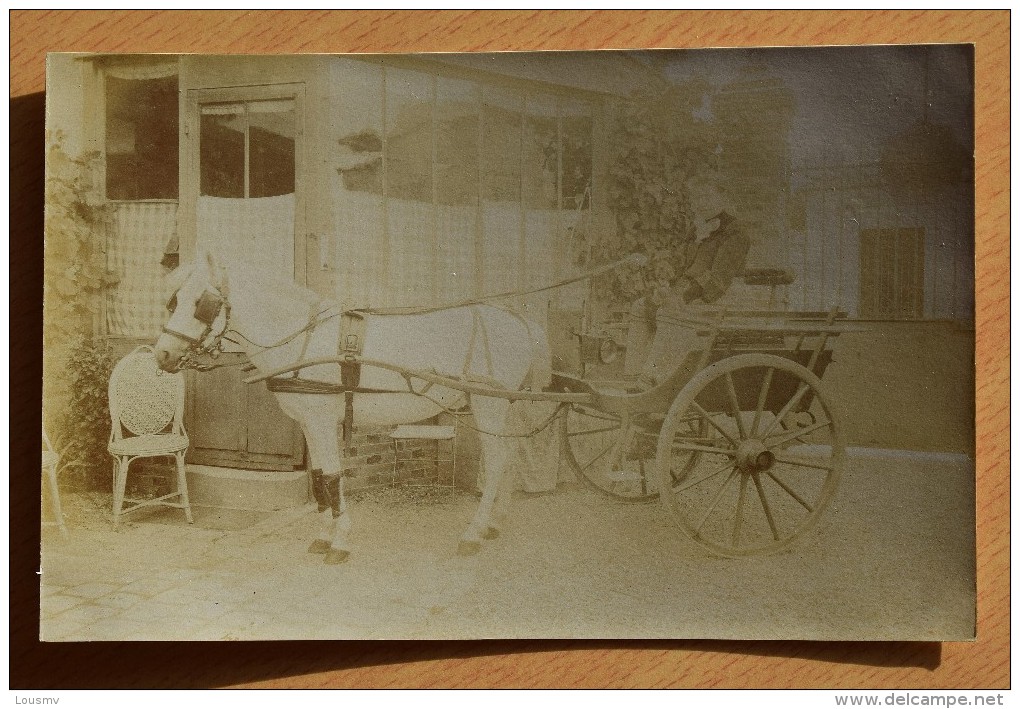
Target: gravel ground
point(892, 559)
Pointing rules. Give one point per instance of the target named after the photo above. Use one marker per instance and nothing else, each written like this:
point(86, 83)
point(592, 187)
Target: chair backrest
point(143, 398)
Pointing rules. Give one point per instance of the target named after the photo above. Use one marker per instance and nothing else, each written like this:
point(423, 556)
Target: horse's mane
point(245, 275)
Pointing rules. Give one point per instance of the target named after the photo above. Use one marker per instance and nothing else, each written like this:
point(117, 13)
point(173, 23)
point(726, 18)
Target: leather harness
point(350, 346)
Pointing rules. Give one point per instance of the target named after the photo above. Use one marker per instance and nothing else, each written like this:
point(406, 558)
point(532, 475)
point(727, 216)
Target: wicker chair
point(147, 411)
point(50, 461)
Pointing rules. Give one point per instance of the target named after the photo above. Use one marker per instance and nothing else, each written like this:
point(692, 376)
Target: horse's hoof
point(469, 548)
point(490, 533)
point(336, 556)
point(319, 546)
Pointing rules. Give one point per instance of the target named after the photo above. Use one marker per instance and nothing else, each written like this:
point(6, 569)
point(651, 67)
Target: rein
point(632, 260)
point(213, 301)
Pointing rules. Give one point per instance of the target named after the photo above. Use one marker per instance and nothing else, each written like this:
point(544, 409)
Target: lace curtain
point(135, 243)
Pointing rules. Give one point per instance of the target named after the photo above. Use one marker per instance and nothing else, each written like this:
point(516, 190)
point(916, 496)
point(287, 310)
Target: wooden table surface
point(984, 663)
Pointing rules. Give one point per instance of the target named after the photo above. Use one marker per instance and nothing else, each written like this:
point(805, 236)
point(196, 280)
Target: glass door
point(243, 183)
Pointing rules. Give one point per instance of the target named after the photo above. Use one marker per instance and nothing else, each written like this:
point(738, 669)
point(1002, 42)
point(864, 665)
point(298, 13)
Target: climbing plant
point(657, 143)
point(76, 365)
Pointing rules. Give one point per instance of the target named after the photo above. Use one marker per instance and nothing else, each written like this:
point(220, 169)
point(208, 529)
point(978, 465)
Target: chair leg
point(120, 470)
point(51, 476)
point(182, 487)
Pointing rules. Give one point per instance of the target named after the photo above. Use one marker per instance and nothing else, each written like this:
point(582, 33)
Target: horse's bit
point(210, 304)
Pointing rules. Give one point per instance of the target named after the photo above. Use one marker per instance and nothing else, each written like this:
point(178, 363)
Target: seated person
point(709, 261)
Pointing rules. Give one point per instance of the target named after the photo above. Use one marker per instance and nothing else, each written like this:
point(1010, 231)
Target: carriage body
point(739, 440)
point(803, 337)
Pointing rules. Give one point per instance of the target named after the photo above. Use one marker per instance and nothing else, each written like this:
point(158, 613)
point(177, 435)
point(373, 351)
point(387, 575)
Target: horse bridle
point(208, 308)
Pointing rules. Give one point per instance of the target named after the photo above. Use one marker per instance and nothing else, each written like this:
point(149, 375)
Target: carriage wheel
point(612, 454)
point(766, 463)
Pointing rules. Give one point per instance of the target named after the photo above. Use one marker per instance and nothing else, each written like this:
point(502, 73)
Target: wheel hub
point(754, 457)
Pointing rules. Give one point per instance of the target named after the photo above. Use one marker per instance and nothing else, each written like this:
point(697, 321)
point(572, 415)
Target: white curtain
point(360, 243)
point(366, 223)
point(457, 228)
point(257, 231)
point(501, 222)
point(140, 230)
point(542, 259)
point(410, 225)
point(358, 248)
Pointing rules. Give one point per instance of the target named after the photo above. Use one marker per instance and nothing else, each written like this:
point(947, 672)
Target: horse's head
point(199, 314)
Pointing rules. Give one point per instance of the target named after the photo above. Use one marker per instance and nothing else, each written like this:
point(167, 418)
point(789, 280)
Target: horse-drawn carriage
point(739, 441)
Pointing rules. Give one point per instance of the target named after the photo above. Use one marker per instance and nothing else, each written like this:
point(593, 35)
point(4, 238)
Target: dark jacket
point(712, 264)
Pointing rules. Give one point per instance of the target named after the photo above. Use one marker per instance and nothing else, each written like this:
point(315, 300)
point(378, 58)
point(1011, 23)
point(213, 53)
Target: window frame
point(100, 141)
point(521, 92)
point(190, 183)
point(906, 242)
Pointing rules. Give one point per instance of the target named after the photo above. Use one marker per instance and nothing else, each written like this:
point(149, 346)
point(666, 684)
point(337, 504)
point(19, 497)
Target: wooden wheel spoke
point(704, 449)
point(765, 506)
point(803, 462)
point(796, 434)
point(715, 501)
point(740, 511)
point(708, 417)
point(605, 451)
point(735, 405)
point(593, 431)
point(720, 471)
point(761, 400)
point(594, 460)
point(790, 491)
point(792, 470)
point(803, 389)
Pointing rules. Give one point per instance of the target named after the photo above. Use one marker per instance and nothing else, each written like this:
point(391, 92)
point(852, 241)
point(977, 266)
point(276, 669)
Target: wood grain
point(984, 663)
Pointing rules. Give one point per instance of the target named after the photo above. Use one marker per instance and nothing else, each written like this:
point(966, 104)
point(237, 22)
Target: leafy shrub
point(84, 425)
point(656, 145)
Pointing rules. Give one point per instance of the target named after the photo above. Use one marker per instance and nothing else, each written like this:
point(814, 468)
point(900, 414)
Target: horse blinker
point(208, 307)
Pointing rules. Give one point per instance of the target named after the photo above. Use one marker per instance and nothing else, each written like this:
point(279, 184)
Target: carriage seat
point(775, 279)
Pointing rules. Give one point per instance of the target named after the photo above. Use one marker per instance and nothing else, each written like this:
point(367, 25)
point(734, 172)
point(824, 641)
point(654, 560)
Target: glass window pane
point(540, 153)
point(501, 146)
point(408, 135)
point(576, 147)
point(271, 148)
point(221, 150)
point(141, 138)
point(457, 106)
point(357, 106)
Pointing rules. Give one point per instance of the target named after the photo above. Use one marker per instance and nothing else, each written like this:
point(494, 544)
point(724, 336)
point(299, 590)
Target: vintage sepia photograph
point(607, 344)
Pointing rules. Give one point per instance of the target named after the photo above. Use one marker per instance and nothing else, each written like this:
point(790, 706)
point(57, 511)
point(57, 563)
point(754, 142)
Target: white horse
point(279, 324)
